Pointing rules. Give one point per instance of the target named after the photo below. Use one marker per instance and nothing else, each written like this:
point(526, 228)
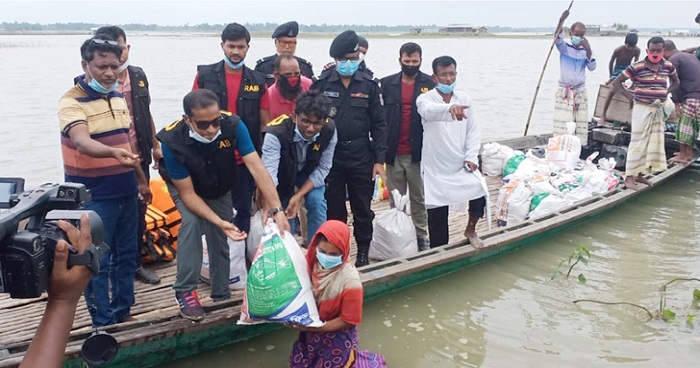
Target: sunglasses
point(204, 125)
point(99, 41)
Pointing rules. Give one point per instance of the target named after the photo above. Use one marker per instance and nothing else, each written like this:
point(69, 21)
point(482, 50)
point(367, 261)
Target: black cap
point(289, 29)
point(343, 44)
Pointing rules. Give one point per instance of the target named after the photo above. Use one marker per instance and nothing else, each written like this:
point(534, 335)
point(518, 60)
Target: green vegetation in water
point(581, 254)
point(664, 313)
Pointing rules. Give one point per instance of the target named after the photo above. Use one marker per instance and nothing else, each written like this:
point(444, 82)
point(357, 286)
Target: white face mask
point(124, 66)
point(198, 137)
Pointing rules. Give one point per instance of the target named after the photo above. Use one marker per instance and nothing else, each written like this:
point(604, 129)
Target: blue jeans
point(118, 266)
point(316, 208)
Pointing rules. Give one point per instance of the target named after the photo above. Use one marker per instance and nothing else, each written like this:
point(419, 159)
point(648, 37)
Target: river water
point(503, 313)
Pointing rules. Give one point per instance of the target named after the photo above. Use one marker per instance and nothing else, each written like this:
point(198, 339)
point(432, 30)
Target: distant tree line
point(205, 27)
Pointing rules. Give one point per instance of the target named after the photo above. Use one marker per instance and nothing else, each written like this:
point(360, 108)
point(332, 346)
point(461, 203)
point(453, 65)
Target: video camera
point(26, 255)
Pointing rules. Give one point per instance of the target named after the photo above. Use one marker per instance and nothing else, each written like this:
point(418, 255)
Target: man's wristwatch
point(273, 211)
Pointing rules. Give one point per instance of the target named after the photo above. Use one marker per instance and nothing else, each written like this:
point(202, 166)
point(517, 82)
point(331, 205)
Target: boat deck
point(19, 318)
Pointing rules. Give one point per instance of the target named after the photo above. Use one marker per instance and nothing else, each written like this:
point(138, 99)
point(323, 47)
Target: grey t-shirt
point(688, 69)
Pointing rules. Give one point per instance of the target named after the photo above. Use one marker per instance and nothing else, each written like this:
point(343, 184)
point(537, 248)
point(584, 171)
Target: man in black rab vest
point(133, 85)
point(405, 134)
point(243, 92)
point(358, 115)
point(199, 167)
point(298, 154)
point(285, 41)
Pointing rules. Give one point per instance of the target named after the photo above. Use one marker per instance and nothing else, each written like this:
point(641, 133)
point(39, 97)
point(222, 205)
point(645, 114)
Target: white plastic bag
point(513, 202)
point(238, 274)
point(563, 151)
point(254, 236)
point(550, 204)
point(279, 286)
point(493, 157)
point(394, 234)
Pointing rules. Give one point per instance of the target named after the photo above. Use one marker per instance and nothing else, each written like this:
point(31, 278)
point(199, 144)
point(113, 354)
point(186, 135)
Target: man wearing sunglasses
point(298, 154)
point(285, 37)
point(358, 115)
point(95, 122)
point(199, 167)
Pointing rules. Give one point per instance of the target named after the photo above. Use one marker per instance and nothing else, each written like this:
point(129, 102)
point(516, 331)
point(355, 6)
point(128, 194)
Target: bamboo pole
point(537, 90)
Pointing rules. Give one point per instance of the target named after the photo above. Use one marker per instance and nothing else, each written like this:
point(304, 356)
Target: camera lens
point(69, 193)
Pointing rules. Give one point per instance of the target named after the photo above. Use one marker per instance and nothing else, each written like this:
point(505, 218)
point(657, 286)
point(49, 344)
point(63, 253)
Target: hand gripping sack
point(254, 236)
point(238, 275)
point(394, 234)
point(279, 286)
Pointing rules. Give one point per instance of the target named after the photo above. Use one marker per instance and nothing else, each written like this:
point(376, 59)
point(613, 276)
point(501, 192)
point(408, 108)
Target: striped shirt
point(649, 85)
point(573, 63)
point(108, 122)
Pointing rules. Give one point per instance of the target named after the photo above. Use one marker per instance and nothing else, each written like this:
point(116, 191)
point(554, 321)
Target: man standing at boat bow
point(451, 143)
point(571, 100)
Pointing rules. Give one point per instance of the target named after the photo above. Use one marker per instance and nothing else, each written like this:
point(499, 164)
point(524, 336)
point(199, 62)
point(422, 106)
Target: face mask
point(298, 133)
point(197, 137)
point(410, 70)
point(97, 87)
point(234, 65)
point(348, 67)
point(655, 58)
point(328, 262)
point(124, 66)
point(576, 40)
point(446, 88)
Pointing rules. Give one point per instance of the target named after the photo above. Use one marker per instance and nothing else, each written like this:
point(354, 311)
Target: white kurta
point(447, 143)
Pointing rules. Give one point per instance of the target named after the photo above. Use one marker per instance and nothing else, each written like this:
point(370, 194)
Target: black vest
point(213, 78)
point(288, 174)
point(212, 166)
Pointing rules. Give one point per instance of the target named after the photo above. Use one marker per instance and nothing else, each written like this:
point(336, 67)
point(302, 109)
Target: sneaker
point(147, 276)
point(190, 307)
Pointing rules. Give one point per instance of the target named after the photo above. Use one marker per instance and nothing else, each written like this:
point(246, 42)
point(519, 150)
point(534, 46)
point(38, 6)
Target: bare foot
point(681, 159)
point(630, 183)
point(474, 239)
point(641, 179)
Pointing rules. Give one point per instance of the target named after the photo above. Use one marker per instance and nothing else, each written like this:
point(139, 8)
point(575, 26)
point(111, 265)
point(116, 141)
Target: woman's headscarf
point(337, 233)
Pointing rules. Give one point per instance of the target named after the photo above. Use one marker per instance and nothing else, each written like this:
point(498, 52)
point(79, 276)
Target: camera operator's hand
point(48, 345)
point(69, 284)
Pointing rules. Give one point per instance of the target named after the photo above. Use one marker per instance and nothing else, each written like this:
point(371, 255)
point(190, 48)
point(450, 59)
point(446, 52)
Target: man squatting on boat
point(425, 131)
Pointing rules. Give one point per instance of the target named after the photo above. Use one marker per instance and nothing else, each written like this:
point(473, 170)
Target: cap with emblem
point(289, 29)
point(362, 42)
point(344, 43)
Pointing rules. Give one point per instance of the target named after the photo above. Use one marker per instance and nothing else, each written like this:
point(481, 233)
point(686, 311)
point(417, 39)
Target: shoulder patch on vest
point(278, 120)
point(173, 125)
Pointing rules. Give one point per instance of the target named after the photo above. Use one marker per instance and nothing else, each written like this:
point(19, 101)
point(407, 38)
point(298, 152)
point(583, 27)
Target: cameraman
point(47, 348)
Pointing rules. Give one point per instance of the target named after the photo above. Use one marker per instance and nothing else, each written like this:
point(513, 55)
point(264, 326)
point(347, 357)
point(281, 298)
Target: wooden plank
point(619, 108)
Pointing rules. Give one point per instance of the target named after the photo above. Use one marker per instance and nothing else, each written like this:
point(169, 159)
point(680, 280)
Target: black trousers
point(242, 198)
point(353, 175)
point(438, 226)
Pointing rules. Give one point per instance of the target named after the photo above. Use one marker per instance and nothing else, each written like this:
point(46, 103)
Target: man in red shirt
point(289, 84)
point(241, 91)
point(405, 134)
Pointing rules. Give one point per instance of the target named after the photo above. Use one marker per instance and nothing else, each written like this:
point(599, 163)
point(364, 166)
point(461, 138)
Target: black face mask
point(286, 89)
point(410, 70)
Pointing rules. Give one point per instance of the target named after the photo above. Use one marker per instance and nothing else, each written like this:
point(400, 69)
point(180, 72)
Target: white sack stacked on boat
point(513, 202)
point(238, 274)
point(394, 235)
point(254, 236)
point(563, 151)
point(494, 157)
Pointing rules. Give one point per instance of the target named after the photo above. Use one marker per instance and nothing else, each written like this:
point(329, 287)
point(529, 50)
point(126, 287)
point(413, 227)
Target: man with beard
point(290, 83)
point(242, 92)
point(298, 154)
point(285, 42)
point(405, 134)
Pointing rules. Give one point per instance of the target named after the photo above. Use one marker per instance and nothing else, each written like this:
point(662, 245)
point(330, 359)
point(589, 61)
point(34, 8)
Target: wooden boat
point(160, 335)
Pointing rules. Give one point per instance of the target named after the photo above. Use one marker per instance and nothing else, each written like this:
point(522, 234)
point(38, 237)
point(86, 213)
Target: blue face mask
point(347, 68)
point(328, 262)
point(236, 65)
point(298, 133)
point(97, 87)
point(446, 88)
point(576, 40)
point(198, 137)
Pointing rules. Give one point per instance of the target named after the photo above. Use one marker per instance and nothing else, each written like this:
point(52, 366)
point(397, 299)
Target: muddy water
point(508, 312)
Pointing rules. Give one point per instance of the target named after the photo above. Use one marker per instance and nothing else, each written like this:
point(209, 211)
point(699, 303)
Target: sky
point(637, 14)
